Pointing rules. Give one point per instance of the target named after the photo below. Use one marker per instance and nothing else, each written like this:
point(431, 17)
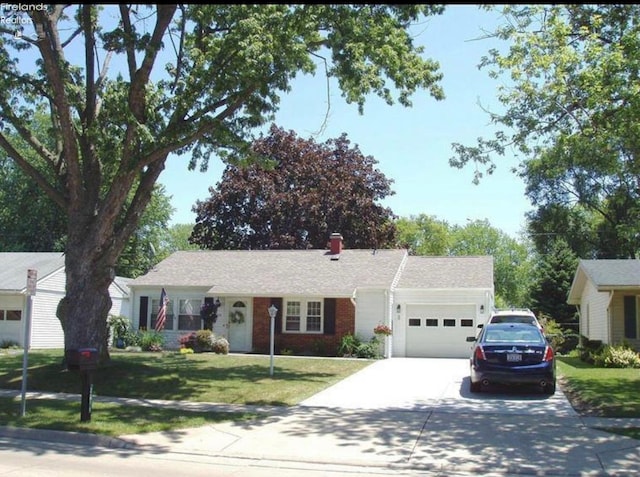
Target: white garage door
point(440, 331)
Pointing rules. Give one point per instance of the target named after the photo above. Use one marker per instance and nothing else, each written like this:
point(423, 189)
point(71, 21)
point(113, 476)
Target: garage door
point(439, 331)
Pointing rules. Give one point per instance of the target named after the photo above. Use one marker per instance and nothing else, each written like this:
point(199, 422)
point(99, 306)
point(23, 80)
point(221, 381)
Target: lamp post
point(272, 314)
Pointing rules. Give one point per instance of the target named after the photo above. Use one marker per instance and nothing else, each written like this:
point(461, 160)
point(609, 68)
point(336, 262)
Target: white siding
point(46, 330)
point(595, 315)
point(371, 310)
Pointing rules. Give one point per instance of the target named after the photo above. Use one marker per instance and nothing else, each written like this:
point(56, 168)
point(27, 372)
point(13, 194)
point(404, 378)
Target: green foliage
point(120, 327)
point(9, 344)
point(511, 259)
point(620, 356)
point(552, 279)
point(151, 340)
point(307, 191)
point(349, 344)
point(353, 346)
point(204, 341)
point(570, 113)
point(424, 235)
point(563, 340)
point(369, 349)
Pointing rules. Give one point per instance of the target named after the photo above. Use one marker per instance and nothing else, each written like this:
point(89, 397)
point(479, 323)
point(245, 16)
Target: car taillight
point(480, 353)
point(548, 354)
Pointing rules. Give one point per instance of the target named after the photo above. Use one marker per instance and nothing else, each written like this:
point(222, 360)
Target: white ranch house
point(431, 303)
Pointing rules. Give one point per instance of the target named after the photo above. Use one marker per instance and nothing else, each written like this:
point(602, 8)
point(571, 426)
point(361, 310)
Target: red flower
point(382, 330)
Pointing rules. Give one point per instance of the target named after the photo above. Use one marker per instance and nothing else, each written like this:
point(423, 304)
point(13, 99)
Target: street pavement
point(399, 416)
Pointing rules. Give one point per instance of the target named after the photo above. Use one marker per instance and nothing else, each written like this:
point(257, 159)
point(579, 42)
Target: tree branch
point(32, 172)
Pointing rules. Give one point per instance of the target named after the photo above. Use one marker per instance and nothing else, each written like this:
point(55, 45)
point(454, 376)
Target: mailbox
point(82, 359)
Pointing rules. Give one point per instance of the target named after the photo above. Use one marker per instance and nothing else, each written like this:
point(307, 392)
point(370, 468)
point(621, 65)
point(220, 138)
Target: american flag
point(162, 312)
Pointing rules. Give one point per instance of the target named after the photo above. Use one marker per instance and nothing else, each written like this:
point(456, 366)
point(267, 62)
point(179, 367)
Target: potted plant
point(120, 326)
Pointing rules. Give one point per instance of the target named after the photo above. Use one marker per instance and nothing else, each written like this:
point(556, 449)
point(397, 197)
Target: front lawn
point(605, 392)
point(201, 377)
point(205, 377)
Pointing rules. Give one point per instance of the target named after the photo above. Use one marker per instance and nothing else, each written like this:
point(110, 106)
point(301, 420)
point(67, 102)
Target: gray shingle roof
point(447, 272)
point(612, 272)
point(14, 266)
point(276, 272)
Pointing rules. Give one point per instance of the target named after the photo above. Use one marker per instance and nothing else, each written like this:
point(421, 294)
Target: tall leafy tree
point(125, 86)
point(552, 278)
point(511, 259)
point(424, 235)
point(301, 193)
point(572, 113)
point(427, 235)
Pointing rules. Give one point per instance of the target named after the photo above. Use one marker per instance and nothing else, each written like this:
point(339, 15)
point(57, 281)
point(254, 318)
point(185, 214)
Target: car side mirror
point(471, 339)
point(480, 325)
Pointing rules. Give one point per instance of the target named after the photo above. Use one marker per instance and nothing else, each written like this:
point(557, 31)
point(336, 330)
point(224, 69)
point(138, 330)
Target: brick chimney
point(336, 243)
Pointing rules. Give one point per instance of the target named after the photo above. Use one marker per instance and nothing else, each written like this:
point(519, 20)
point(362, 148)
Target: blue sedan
point(512, 353)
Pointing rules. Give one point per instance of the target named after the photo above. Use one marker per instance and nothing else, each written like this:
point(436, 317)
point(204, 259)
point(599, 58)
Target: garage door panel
point(439, 331)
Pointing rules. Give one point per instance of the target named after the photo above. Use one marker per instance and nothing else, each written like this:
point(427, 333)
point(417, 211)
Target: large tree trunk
point(84, 310)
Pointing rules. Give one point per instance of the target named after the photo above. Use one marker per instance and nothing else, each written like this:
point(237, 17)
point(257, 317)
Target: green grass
point(204, 377)
point(107, 419)
point(606, 392)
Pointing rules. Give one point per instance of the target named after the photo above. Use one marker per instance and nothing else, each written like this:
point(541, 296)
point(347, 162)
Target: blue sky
point(412, 145)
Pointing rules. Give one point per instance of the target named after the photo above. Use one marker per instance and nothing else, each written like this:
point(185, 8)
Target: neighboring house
point(431, 303)
point(607, 295)
point(46, 331)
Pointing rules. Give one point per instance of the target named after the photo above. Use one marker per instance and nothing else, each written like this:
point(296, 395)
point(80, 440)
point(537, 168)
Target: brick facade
point(300, 343)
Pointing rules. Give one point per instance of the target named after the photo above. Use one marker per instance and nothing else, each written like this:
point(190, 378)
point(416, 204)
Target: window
point(449, 322)
point(189, 315)
point(414, 321)
point(431, 322)
point(155, 307)
point(466, 322)
point(11, 315)
point(303, 316)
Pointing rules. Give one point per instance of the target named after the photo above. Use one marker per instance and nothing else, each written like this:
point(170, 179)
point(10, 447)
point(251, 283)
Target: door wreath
point(236, 317)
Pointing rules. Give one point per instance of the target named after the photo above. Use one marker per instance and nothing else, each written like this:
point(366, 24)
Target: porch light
point(272, 314)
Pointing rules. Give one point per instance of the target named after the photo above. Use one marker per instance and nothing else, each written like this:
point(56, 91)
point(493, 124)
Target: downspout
point(391, 302)
point(609, 319)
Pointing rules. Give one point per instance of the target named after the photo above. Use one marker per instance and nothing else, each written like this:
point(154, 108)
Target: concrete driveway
point(420, 384)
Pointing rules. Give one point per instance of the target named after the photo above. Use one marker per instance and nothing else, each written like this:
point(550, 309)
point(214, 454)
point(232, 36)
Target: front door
point(239, 323)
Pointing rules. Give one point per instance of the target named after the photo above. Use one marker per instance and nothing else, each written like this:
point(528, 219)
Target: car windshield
point(516, 335)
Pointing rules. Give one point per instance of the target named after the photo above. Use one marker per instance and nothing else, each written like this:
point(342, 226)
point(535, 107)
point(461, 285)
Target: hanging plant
point(236, 317)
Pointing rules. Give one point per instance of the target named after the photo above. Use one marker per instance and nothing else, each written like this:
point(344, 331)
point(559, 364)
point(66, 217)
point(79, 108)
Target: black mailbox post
point(84, 360)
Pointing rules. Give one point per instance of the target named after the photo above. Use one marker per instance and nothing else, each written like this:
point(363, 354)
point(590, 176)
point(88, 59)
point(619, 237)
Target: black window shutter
point(144, 311)
point(277, 302)
point(630, 317)
point(329, 316)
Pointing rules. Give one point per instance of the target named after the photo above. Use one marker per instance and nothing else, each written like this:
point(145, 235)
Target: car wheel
point(475, 387)
point(549, 389)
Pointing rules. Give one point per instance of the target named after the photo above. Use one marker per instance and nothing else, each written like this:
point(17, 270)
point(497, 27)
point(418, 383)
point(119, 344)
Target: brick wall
point(300, 343)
